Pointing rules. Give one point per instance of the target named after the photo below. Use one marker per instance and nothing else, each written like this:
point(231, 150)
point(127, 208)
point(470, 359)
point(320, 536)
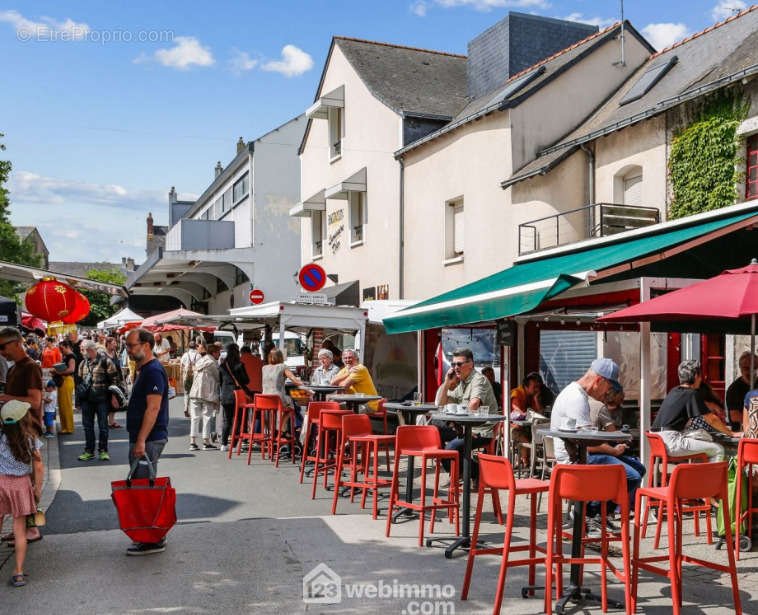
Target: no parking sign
point(312, 277)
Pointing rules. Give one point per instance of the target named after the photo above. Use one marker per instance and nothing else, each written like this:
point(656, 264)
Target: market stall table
point(582, 438)
point(409, 411)
point(467, 421)
point(353, 401)
point(320, 391)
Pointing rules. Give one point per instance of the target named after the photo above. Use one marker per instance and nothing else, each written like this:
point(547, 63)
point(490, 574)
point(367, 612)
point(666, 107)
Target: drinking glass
point(484, 410)
point(417, 399)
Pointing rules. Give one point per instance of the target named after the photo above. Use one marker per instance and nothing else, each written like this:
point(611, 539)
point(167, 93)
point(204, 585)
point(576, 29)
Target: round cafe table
point(581, 439)
point(320, 391)
point(467, 421)
point(409, 411)
point(353, 401)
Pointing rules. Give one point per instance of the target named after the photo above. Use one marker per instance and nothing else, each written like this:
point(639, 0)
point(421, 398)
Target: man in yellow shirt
point(355, 377)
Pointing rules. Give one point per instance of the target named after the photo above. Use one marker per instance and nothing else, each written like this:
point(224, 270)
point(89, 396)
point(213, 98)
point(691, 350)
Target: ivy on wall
point(703, 163)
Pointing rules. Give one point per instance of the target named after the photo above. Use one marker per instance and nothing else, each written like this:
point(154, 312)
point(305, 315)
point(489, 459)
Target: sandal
point(17, 580)
point(12, 543)
point(114, 426)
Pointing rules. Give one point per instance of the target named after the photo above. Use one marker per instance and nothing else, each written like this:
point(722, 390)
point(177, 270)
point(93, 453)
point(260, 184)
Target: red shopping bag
point(146, 506)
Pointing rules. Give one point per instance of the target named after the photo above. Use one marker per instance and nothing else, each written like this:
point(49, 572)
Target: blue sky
point(106, 105)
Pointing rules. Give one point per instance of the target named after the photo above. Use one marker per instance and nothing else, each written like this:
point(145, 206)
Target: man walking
point(146, 416)
point(188, 361)
point(100, 372)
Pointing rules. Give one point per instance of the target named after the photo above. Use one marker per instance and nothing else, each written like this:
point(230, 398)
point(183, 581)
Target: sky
point(106, 105)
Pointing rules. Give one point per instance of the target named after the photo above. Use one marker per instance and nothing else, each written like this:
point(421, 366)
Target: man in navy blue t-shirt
point(147, 415)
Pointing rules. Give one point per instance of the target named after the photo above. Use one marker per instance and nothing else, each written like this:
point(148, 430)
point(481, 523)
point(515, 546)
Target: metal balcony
point(597, 220)
point(191, 234)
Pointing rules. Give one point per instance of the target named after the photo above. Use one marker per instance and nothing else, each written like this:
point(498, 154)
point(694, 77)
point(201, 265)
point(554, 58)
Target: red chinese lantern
point(80, 311)
point(51, 300)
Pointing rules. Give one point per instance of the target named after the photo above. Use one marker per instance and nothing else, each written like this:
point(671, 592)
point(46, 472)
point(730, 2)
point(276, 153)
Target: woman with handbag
point(233, 378)
point(65, 381)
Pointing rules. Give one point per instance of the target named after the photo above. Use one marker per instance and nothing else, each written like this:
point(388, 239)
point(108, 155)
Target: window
point(206, 214)
point(454, 229)
point(226, 204)
point(357, 216)
point(239, 276)
point(217, 211)
point(649, 78)
point(336, 132)
point(318, 233)
point(240, 188)
point(751, 189)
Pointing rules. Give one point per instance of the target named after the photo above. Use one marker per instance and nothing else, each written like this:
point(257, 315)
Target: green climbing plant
point(703, 164)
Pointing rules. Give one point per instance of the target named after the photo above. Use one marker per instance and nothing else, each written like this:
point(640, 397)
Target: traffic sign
point(312, 277)
point(256, 296)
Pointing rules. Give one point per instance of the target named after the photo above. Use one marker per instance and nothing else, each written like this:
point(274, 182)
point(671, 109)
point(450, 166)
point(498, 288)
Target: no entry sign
point(312, 277)
point(256, 296)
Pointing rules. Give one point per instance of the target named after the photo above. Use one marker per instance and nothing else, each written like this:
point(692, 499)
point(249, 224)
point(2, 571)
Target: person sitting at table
point(735, 394)
point(497, 388)
point(274, 376)
point(464, 385)
point(682, 404)
point(327, 370)
point(525, 398)
point(336, 352)
point(603, 417)
point(355, 378)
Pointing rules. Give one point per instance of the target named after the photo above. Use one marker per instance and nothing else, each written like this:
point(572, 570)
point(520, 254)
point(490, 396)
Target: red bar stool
point(330, 425)
point(702, 480)
point(658, 452)
point(747, 455)
point(242, 412)
point(264, 413)
point(496, 473)
point(587, 483)
point(356, 433)
point(381, 414)
point(423, 441)
point(314, 414)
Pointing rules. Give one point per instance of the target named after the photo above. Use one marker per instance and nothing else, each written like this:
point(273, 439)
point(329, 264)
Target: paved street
point(246, 537)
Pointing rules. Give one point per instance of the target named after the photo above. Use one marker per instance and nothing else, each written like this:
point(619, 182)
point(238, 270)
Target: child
point(19, 455)
point(50, 399)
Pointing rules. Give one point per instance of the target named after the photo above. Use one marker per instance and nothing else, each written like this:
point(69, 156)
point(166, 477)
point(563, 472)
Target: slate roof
point(706, 61)
point(408, 79)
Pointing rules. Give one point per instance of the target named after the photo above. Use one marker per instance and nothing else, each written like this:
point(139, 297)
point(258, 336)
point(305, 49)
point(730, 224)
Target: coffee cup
point(451, 408)
point(569, 423)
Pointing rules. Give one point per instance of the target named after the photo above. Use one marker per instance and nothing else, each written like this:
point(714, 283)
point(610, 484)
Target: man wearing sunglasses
point(24, 380)
point(464, 385)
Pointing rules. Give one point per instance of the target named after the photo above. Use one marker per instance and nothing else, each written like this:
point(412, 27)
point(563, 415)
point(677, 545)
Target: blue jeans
point(89, 411)
point(634, 473)
point(458, 444)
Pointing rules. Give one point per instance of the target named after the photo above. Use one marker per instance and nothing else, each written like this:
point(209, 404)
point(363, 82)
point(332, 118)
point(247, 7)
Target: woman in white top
point(274, 376)
point(325, 372)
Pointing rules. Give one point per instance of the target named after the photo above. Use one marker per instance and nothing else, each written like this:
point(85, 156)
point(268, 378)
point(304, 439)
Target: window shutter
point(633, 190)
point(565, 356)
point(458, 228)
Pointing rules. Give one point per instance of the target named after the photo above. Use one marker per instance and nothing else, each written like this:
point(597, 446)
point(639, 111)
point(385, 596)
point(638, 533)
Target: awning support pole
point(644, 376)
point(420, 364)
point(281, 334)
point(521, 350)
point(506, 385)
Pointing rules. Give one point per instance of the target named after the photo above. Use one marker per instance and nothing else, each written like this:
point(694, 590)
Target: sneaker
point(49, 434)
point(104, 456)
point(194, 447)
point(224, 447)
point(610, 524)
point(147, 548)
point(207, 446)
point(86, 456)
point(594, 527)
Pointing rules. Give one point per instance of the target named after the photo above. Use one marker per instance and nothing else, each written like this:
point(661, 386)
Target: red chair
point(314, 414)
point(242, 413)
point(496, 473)
point(658, 452)
point(330, 425)
point(379, 414)
point(587, 483)
point(423, 441)
point(356, 433)
point(747, 455)
point(702, 480)
point(264, 413)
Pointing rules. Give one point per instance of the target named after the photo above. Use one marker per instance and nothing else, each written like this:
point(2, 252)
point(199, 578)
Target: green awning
point(526, 285)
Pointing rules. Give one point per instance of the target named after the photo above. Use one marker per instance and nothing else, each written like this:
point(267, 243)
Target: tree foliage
point(12, 249)
point(100, 307)
point(703, 162)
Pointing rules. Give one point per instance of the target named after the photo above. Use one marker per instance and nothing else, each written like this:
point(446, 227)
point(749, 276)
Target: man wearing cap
point(572, 408)
point(24, 380)
point(682, 404)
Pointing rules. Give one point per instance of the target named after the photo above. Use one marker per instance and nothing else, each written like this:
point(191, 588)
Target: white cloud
point(661, 35)
point(45, 29)
point(187, 52)
point(600, 22)
point(727, 8)
point(488, 5)
point(419, 8)
point(241, 61)
point(294, 62)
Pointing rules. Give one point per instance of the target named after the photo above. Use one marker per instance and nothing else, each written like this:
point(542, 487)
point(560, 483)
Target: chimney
point(150, 224)
point(240, 145)
point(517, 42)
point(172, 196)
point(218, 168)
point(130, 264)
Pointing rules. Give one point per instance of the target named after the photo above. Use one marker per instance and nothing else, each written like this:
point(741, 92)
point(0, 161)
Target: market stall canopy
point(30, 275)
point(174, 317)
point(298, 315)
point(32, 322)
point(119, 319)
point(722, 304)
point(690, 247)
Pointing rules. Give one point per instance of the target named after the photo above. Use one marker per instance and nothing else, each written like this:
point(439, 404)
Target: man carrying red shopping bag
point(146, 418)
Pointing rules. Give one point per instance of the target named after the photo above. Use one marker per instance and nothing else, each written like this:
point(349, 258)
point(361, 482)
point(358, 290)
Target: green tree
point(12, 249)
point(100, 306)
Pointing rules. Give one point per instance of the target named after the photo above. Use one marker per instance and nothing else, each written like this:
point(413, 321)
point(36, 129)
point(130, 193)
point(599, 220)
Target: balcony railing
point(597, 220)
point(192, 234)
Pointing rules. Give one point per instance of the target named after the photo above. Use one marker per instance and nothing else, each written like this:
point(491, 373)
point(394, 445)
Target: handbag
point(146, 506)
point(248, 392)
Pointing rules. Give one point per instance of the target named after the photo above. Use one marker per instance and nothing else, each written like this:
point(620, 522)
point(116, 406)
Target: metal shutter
point(565, 356)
